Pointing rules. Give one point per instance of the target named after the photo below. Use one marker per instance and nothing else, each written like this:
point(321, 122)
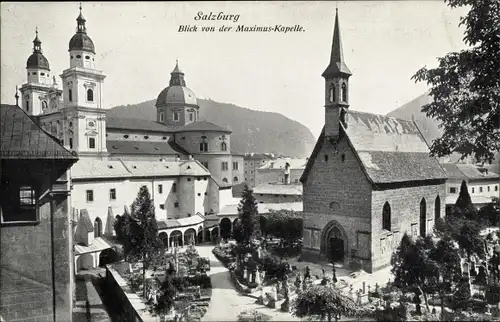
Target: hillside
point(428, 126)
point(253, 131)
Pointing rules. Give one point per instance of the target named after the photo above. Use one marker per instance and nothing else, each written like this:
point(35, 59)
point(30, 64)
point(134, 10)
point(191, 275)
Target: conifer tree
point(464, 201)
point(248, 215)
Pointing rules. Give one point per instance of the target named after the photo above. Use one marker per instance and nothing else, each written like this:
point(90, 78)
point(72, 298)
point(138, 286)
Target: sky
point(137, 44)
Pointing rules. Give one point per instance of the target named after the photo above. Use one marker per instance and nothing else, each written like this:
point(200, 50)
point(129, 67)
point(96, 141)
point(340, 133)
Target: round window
point(87, 57)
point(78, 56)
point(43, 74)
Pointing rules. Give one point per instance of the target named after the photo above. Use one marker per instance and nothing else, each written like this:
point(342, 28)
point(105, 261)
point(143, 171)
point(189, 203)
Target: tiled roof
point(136, 124)
point(281, 163)
point(278, 188)
point(141, 147)
point(22, 138)
point(95, 168)
point(263, 208)
point(97, 245)
point(453, 172)
point(389, 150)
point(472, 172)
point(181, 222)
point(85, 219)
point(203, 126)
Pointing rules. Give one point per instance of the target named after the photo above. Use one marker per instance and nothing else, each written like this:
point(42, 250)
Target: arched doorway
point(200, 235)
point(175, 238)
point(189, 236)
point(164, 238)
point(225, 228)
point(97, 227)
point(334, 242)
point(423, 218)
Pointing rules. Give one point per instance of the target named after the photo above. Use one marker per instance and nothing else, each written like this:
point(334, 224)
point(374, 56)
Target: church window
point(71, 56)
point(332, 93)
point(27, 106)
point(70, 95)
point(90, 95)
point(34, 73)
point(112, 194)
point(91, 143)
point(71, 143)
point(224, 166)
point(89, 195)
point(70, 124)
point(176, 116)
point(223, 146)
point(437, 208)
point(87, 57)
point(423, 217)
point(44, 104)
point(224, 180)
point(42, 74)
point(161, 116)
point(78, 56)
point(326, 157)
point(386, 217)
point(235, 179)
point(344, 93)
point(191, 117)
point(126, 136)
point(235, 166)
point(203, 147)
point(342, 157)
point(97, 227)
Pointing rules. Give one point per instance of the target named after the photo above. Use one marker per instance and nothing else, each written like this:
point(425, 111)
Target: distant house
point(252, 162)
point(284, 170)
point(369, 180)
point(482, 184)
point(36, 277)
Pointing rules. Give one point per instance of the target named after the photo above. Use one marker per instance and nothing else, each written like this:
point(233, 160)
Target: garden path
point(226, 303)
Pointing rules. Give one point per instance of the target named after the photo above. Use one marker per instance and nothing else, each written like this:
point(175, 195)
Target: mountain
point(429, 126)
point(253, 131)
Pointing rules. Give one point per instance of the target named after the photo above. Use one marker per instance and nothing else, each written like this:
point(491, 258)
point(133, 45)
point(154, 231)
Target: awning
point(97, 245)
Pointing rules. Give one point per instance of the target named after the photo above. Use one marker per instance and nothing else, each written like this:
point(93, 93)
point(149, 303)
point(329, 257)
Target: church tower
point(336, 86)
point(83, 96)
point(35, 90)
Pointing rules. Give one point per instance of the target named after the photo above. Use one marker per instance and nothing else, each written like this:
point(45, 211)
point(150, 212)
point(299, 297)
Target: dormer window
point(344, 93)
point(176, 116)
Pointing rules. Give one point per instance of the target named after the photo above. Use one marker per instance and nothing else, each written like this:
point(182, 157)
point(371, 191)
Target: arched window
point(97, 227)
point(90, 95)
point(70, 95)
point(27, 106)
point(423, 217)
point(191, 117)
point(223, 146)
point(176, 116)
point(332, 93)
point(386, 217)
point(44, 105)
point(344, 93)
point(235, 179)
point(437, 208)
point(161, 116)
point(224, 180)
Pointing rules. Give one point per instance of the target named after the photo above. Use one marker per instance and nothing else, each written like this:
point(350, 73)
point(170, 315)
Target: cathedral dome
point(176, 92)
point(176, 95)
point(37, 60)
point(81, 41)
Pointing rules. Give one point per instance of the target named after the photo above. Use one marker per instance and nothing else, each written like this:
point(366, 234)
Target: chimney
point(177, 158)
point(287, 173)
point(190, 157)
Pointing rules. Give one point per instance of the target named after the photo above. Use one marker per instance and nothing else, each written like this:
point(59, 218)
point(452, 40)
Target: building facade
point(185, 162)
point(35, 223)
point(283, 170)
point(254, 161)
point(368, 181)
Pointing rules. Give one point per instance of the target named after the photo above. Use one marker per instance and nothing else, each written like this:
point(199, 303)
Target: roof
point(97, 245)
point(473, 172)
point(278, 189)
point(144, 147)
point(85, 219)
point(204, 126)
point(451, 199)
point(263, 208)
point(176, 94)
point(136, 124)
point(259, 156)
point(389, 150)
point(337, 65)
point(37, 60)
point(96, 168)
point(181, 222)
point(22, 138)
point(281, 164)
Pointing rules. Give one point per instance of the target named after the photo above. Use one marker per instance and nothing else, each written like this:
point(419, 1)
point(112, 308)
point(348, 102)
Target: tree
point(285, 224)
point(323, 301)
point(464, 201)
point(490, 214)
point(466, 86)
point(238, 234)
point(122, 229)
point(248, 215)
point(412, 267)
point(143, 235)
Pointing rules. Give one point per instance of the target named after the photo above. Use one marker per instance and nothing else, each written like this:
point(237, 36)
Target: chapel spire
point(177, 76)
point(337, 65)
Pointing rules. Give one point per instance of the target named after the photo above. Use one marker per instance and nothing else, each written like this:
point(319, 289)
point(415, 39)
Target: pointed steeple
point(337, 65)
point(37, 43)
point(80, 22)
point(177, 76)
